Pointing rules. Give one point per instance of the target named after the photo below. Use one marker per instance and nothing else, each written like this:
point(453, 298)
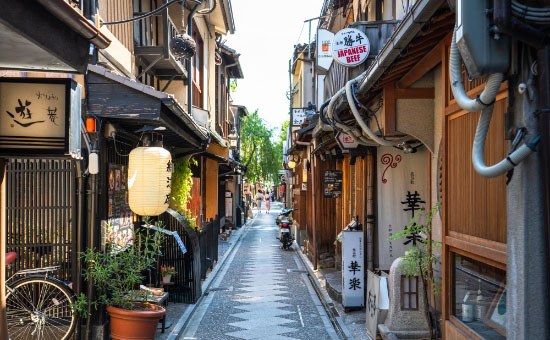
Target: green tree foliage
point(259, 152)
point(182, 182)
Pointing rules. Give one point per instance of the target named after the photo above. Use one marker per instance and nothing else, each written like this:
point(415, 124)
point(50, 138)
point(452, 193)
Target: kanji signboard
point(299, 115)
point(350, 47)
point(34, 115)
point(353, 269)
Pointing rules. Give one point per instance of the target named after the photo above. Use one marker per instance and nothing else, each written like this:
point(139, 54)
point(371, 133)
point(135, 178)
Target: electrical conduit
point(344, 128)
point(359, 119)
point(484, 102)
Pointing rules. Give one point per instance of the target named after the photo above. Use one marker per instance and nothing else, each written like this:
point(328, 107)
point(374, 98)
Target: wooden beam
point(425, 64)
point(415, 93)
point(389, 109)
point(428, 62)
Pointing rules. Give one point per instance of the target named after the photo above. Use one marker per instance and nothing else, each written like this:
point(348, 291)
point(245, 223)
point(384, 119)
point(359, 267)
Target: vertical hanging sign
point(324, 50)
point(353, 272)
point(332, 184)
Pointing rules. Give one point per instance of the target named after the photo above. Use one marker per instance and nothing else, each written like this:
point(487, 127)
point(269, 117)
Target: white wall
point(404, 172)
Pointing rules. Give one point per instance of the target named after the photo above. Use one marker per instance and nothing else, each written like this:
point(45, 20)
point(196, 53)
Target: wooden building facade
point(405, 94)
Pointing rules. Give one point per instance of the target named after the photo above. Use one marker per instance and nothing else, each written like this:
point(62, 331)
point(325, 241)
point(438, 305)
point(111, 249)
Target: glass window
point(480, 297)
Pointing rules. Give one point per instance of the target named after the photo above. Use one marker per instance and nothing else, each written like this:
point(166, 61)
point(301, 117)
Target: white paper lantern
point(149, 180)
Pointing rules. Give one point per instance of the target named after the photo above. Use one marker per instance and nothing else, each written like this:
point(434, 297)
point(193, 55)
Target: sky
point(265, 34)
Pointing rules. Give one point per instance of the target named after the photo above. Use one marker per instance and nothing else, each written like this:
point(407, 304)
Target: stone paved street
point(262, 292)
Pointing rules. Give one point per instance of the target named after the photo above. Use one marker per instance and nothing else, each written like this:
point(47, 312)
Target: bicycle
point(38, 305)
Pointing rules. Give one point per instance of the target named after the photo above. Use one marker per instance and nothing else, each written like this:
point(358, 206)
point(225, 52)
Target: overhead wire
point(143, 16)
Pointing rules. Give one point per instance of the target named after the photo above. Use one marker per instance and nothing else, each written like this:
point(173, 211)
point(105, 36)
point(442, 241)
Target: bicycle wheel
point(39, 307)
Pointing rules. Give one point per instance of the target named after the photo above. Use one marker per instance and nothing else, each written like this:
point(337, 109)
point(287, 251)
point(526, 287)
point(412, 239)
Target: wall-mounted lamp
point(233, 139)
point(408, 147)
point(90, 125)
point(293, 160)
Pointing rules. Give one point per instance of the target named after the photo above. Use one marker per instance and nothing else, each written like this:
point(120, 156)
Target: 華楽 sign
point(353, 269)
point(350, 47)
point(34, 116)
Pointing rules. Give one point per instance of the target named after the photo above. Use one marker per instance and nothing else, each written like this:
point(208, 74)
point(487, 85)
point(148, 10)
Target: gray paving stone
point(267, 302)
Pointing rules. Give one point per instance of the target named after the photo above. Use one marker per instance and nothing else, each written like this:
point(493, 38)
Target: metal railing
point(208, 240)
point(186, 287)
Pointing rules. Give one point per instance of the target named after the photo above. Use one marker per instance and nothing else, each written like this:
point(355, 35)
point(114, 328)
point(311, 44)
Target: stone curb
point(325, 299)
point(186, 316)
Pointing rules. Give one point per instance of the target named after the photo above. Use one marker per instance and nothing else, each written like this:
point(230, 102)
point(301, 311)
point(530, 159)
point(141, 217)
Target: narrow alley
point(262, 292)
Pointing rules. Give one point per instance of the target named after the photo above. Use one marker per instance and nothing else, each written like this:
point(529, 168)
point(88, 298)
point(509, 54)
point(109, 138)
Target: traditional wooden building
point(417, 151)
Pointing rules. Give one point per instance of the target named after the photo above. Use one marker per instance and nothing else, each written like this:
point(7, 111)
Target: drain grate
point(217, 289)
point(296, 271)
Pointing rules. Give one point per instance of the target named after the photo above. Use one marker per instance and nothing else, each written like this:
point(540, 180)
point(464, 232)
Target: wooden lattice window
point(409, 292)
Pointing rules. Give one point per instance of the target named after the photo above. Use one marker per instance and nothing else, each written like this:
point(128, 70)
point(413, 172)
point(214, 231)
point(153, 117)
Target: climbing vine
point(182, 182)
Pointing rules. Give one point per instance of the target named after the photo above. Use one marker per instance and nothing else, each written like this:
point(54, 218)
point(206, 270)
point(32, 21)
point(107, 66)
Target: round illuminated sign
point(350, 47)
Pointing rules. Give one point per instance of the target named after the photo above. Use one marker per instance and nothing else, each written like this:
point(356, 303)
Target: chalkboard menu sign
point(333, 184)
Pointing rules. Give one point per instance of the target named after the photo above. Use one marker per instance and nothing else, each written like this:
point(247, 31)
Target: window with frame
point(479, 297)
point(198, 64)
point(409, 292)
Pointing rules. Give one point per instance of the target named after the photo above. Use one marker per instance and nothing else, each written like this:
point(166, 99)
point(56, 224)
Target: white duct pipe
point(344, 128)
point(359, 119)
point(483, 102)
point(486, 97)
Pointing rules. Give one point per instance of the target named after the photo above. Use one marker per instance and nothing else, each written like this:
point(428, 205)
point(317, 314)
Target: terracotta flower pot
point(135, 324)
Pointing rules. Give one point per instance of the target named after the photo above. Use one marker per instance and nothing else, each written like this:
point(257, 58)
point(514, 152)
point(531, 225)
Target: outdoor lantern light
point(149, 180)
point(183, 46)
point(293, 160)
point(233, 138)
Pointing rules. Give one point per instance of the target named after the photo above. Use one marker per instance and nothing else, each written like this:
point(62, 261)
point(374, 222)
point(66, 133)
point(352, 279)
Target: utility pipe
point(369, 218)
point(359, 119)
point(484, 102)
point(506, 23)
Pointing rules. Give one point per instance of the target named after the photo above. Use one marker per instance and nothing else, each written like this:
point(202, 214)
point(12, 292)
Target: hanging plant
point(182, 181)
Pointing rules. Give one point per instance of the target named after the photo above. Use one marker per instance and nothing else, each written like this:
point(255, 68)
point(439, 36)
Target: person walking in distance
point(259, 199)
point(267, 201)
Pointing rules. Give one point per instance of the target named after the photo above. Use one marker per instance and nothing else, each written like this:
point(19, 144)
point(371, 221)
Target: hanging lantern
point(233, 139)
point(149, 180)
point(183, 46)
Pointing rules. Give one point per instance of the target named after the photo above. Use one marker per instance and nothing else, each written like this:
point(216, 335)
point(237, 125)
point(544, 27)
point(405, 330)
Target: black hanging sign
point(333, 184)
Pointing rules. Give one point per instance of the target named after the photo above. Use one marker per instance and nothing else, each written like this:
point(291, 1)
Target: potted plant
point(166, 272)
point(116, 273)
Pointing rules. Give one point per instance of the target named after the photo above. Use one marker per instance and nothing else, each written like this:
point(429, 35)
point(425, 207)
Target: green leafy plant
point(167, 270)
point(117, 271)
point(182, 182)
point(420, 258)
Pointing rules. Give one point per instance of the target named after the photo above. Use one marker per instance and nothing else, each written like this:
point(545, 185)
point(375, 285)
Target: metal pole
point(3, 322)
